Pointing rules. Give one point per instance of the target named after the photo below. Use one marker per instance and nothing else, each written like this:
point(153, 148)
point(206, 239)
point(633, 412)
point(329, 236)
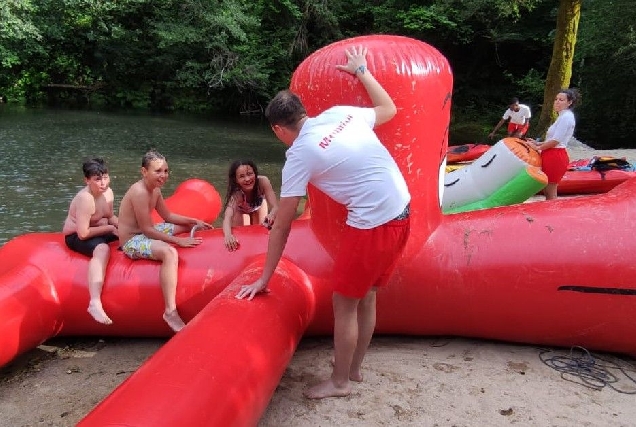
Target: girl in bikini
point(247, 200)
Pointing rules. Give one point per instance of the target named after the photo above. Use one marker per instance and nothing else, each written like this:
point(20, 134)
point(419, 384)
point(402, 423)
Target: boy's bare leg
point(96, 273)
point(168, 277)
point(345, 338)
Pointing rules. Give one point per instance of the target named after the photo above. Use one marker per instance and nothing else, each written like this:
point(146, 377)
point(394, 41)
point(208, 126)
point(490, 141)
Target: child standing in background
point(247, 200)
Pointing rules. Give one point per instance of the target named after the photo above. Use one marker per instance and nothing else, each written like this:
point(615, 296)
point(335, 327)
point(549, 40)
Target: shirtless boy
point(140, 239)
point(90, 226)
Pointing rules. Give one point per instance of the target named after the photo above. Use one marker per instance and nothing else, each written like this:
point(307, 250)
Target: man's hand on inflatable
point(250, 291)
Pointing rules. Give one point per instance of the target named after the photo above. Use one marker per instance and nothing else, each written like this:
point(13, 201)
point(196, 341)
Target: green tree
point(497, 48)
point(202, 49)
point(560, 70)
point(606, 66)
point(16, 31)
point(18, 38)
point(292, 29)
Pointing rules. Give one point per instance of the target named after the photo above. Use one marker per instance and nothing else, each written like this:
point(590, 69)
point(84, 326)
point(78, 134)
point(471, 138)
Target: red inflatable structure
point(544, 273)
point(465, 152)
point(592, 182)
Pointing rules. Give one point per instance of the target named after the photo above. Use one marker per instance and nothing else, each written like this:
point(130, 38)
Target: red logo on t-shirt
point(324, 143)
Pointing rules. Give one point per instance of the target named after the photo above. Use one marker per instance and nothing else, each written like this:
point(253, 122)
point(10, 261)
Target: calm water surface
point(41, 155)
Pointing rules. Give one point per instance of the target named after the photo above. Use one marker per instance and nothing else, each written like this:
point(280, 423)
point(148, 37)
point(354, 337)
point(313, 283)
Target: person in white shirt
point(339, 153)
point(519, 120)
point(554, 156)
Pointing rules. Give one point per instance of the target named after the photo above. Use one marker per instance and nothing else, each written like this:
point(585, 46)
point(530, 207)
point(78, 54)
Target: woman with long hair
point(554, 156)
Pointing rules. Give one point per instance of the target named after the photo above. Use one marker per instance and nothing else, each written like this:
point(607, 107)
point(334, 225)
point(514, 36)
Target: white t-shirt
point(339, 153)
point(562, 129)
point(518, 117)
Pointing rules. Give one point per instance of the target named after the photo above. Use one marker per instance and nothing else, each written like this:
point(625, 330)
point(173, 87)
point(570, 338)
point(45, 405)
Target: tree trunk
point(560, 70)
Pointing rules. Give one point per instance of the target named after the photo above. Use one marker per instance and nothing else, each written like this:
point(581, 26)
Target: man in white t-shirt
point(519, 116)
point(339, 153)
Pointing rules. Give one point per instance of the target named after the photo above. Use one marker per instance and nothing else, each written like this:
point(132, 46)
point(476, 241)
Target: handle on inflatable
point(194, 229)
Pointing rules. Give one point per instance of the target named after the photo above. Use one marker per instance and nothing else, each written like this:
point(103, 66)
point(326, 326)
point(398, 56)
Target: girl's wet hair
point(150, 157)
point(572, 95)
point(94, 167)
point(233, 186)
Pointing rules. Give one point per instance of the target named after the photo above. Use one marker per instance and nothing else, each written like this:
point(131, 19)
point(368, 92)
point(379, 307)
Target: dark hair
point(94, 167)
point(233, 186)
point(285, 109)
point(151, 156)
point(573, 95)
point(514, 101)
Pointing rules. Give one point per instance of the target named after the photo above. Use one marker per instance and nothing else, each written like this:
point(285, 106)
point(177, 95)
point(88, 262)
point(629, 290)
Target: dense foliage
point(560, 70)
point(606, 63)
point(232, 55)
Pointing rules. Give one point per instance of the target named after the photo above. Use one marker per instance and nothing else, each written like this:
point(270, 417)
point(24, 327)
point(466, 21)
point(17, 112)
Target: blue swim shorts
point(138, 247)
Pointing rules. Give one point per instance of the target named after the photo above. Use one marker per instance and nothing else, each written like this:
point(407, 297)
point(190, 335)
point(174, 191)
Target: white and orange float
point(508, 173)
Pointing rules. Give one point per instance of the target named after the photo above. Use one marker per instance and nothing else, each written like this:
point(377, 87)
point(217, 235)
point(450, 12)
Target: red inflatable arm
point(222, 369)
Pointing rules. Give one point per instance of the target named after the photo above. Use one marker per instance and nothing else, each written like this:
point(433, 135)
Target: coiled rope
point(591, 370)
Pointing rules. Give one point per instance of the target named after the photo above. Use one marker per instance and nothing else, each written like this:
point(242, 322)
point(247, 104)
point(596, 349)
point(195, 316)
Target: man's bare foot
point(327, 389)
point(174, 320)
point(356, 376)
point(96, 310)
point(353, 376)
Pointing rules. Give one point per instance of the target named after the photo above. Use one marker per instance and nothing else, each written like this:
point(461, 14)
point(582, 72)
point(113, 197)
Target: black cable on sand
point(594, 371)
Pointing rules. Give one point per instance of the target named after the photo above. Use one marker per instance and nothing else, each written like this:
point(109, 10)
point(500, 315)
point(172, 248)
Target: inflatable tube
point(528, 181)
point(542, 273)
point(193, 188)
point(481, 184)
point(592, 182)
point(30, 310)
point(465, 152)
point(253, 343)
point(43, 290)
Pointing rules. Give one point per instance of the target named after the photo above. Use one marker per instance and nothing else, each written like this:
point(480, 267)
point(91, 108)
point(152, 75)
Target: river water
point(41, 155)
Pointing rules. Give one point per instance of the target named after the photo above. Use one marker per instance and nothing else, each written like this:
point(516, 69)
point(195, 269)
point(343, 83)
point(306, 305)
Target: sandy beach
point(409, 381)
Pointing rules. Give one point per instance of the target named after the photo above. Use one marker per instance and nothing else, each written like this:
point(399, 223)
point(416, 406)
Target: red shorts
point(366, 258)
point(517, 128)
point(554, 163)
